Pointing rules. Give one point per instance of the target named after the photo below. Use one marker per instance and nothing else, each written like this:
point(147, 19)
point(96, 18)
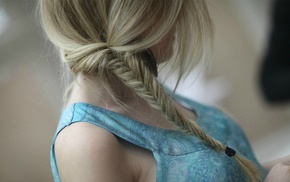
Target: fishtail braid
point(148, 88)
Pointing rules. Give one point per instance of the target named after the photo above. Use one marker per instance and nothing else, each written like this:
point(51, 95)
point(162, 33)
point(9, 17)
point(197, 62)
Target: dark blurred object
point(275, 73)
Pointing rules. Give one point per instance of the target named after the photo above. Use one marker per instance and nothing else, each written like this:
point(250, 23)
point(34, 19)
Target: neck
point(91, 90)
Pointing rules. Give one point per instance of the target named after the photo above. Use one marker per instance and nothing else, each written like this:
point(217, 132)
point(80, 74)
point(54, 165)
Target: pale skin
point(279, 170)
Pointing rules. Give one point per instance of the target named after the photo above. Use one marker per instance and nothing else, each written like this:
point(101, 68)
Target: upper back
point(178, 156)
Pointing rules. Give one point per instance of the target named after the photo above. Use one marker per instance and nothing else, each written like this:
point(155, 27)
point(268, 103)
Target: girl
point(119, 123)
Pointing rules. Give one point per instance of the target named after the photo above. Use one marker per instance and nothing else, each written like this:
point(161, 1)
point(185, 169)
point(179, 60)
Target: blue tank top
point(179, 157)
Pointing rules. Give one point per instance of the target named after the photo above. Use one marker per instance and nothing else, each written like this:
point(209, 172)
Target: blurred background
point(31, 89)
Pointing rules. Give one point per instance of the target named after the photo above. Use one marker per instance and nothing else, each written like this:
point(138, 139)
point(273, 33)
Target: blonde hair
point(106, 37)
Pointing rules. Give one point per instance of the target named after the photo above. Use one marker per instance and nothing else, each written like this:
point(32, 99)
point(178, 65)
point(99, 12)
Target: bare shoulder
point(85, 152)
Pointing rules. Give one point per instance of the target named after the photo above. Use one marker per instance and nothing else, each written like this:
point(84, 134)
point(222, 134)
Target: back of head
point(109, 37)
point(125, 27)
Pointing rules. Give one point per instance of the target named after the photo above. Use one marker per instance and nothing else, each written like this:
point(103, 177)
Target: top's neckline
point(102, 110)
point(171, 141)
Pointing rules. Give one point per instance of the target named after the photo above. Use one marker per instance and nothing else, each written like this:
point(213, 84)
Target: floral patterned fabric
point(179, 157)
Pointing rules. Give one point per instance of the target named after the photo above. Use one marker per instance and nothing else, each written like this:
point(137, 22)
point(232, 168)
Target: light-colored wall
point(30, 90)
point(30, 97)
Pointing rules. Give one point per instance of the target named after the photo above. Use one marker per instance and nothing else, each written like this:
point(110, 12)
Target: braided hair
point(114, 37)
